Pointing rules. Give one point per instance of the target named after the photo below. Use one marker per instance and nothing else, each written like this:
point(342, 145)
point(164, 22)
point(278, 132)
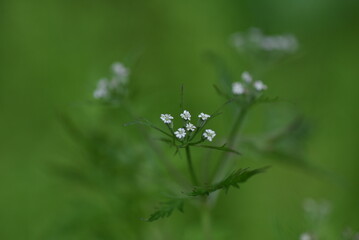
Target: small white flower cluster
point(209, 134)
point(166, 118)
point(189, 127)
point(240, 88)
point(254, 38)
point(107, 87)
point(306, 236)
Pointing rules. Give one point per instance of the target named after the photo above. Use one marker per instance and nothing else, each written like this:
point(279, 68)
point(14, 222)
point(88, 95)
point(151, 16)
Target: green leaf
point(149, 124)
point(233, 180)
point(222, 148)
point(166, 209)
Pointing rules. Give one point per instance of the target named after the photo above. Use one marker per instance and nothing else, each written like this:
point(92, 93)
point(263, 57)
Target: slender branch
point(173, 172)
point(224, 160)
point(190, 167)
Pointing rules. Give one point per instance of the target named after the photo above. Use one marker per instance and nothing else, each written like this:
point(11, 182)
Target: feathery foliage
point(166, 209)
point(233, 180)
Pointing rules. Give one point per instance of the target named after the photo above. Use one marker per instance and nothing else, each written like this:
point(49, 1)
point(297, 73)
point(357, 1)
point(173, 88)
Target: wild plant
point(115, 163)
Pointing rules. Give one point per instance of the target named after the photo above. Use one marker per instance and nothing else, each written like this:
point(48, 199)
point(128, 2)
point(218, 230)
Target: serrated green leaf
point(233, 180)
point(166, 209)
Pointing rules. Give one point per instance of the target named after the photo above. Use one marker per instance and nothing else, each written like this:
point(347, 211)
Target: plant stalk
point(206, 220)
point(190, 167)
point(224, 160)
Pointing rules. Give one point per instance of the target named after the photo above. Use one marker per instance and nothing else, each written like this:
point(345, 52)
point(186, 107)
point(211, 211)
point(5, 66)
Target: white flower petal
point(166, 118)
point(186, 115)
point(238, 88)
point(204, 116)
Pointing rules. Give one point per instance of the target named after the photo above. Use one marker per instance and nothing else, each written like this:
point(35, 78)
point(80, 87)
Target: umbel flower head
point(238, 88)
point(204, 116)
point(119, 69)
point(246, 77)
point(180, 133)
point(166, 118)
point(248, 86)
point(189, 129)
point(102, 90)
point(306, 236)
point(255, 39)
point(186, 115)
point(260, 86)
point(115, 88)
point(209, 134)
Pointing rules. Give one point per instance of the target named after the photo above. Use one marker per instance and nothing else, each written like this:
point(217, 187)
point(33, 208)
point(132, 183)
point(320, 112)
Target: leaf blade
point(233, 180)
point(222, 148)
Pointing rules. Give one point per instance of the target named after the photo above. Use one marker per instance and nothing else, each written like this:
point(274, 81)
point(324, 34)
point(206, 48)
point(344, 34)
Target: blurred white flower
point(166, 118)
point(238, 88)
point(119, 69)
point(260, 86)
point(246, 77)
point(209, 134)
point(204, 116)
point(102, 91)
point(186, 115)
point(254, 39)
point(190, 127)
point(180, 133)
point(306, 236)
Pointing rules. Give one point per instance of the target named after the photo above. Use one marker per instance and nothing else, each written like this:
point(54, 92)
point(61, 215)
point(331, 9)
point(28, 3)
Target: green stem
point(206, 220)
point(224, 160)
point(174, 173)
point(190, 167)
point(236, 126)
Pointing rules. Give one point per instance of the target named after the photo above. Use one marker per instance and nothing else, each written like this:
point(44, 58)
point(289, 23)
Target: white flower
point(119, 69)
point(209, 134)
point(238, 88)
point(260, 86)
point(306, 236)
point(186, 115)
point(204, 116)
point(166, 118)
point(190, 127)
point(247, 77)
point(101, 91)
point(180, 133)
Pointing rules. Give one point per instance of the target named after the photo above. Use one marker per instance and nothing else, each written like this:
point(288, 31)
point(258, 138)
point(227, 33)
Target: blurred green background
point(53, 52)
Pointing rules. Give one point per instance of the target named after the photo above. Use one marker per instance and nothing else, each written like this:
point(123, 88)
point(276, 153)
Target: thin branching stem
point(224, 160)
point(190, 167)
point(174, 173)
